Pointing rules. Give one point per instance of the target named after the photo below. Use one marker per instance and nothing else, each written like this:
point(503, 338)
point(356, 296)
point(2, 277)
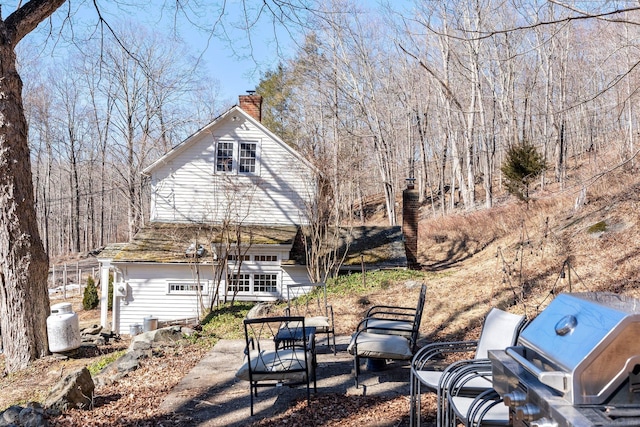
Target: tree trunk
point(24, 299)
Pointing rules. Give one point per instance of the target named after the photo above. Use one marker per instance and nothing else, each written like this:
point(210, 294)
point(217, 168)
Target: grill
point(576, 364)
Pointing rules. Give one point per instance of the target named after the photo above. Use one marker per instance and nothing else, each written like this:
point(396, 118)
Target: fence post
point(64, 281)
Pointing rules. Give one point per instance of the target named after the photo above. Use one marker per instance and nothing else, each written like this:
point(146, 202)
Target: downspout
point(105, 267)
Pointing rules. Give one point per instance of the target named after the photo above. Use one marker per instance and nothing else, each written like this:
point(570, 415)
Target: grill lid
point(584, 344)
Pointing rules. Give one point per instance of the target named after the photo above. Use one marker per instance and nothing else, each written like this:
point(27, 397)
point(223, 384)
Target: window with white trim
point(265, 283)
point(266, 258)
point(247, 283)
point(188, 288)
point(239, 283)
point(234, 257)
point(237, 157)
point(248, 156)
point(224, 157)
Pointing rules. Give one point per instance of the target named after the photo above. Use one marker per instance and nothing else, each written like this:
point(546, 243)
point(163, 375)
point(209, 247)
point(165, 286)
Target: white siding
point(188, 189)
point(148, 295)
point(293, 275)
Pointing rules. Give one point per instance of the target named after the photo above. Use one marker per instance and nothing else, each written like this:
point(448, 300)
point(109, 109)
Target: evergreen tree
point(523, 164)
point(90, 299)
point(275, 87)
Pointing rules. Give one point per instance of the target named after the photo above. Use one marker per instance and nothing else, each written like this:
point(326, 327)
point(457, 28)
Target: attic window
point(238, 157)
point(224, 157)
point(248, 153)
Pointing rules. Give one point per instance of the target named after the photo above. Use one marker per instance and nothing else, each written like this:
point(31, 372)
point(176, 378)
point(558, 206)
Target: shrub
point(110, 293)
point(90, 298)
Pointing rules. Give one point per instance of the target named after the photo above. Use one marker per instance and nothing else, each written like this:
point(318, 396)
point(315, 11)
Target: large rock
point(121, 367)
point(11, 415)
point(261, 309)
point(73, 391)
point(30, 416)
point(33, 416)
point(156, 338)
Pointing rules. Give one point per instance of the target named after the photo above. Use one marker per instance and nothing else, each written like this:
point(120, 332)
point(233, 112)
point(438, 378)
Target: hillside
point(512, 256)
point(516, 256)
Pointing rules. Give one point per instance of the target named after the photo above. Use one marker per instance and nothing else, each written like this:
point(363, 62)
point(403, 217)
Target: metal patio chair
point(485, 409)
point(271, 361)
point(499, 331)
point(310, 301)
point(395, 320)
point(385, 337)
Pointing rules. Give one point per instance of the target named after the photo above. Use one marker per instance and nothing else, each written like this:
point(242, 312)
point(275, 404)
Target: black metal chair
point(387, 337)
point(310, 301)
point(279, 351)
point(395, 320)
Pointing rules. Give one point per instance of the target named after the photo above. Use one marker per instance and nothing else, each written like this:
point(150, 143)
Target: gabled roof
point(210, 129)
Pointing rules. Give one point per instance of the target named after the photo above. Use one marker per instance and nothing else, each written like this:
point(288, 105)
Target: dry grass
point(513, 255)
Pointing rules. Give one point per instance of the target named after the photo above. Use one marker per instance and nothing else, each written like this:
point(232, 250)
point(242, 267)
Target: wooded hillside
point(436, 91)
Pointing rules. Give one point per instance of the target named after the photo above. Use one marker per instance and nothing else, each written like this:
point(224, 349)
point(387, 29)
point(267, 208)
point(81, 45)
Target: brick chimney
point(252, 104)
point(410, 217)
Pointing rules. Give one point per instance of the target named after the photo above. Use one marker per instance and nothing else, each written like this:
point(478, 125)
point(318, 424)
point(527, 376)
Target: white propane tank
point(63, 328)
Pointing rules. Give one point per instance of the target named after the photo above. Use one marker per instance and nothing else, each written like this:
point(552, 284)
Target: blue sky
point(236, 72)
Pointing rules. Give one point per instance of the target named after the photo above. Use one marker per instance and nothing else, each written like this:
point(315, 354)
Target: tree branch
point(27, 17)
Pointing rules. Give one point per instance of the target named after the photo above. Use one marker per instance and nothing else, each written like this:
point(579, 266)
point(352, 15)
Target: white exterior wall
point(187, 188)
point(295, 274)
point(148, 294)
point(148, 288)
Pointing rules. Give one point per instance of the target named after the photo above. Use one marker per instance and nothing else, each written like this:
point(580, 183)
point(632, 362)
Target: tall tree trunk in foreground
point(24, 299)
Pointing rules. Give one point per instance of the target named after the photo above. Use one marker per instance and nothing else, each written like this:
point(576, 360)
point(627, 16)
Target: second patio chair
point(499, 331)
point(310, 301)
point(386, 337)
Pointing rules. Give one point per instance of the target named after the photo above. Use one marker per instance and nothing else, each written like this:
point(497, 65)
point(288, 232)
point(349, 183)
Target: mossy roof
point(168, 242)
point(376, 247)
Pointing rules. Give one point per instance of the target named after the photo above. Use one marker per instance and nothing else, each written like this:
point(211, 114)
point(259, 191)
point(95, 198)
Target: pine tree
point(523, 164)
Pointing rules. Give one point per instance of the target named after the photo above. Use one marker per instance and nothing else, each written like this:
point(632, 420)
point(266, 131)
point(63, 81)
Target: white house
point(231, 192)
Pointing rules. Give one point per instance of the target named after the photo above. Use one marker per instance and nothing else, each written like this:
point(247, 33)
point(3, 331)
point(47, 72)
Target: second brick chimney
point(410, 219)
point(252, 104)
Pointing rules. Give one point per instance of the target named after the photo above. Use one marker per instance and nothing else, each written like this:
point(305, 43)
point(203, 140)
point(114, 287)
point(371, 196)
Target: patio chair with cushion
point(386, 338)
point(279, 351)
point(484, 409)
point(310, 301)
point(395, 320)
point(499, 331)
